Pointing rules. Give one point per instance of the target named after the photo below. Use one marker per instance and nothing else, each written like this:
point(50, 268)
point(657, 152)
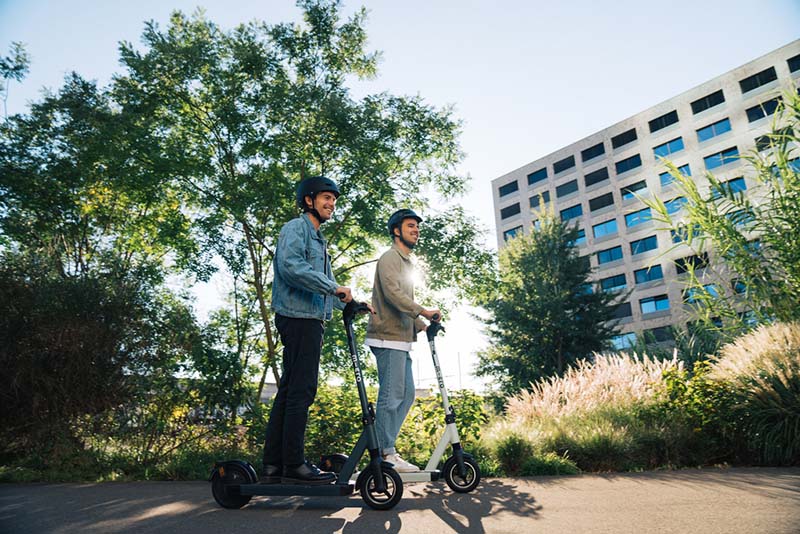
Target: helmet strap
point(401, 238)
point(313, 210)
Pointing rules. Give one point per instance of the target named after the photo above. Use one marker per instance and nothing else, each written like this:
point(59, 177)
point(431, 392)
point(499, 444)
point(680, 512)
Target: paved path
point(697, 501)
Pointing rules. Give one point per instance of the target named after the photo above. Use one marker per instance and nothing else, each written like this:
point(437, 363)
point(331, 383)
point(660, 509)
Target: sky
point(524, 77)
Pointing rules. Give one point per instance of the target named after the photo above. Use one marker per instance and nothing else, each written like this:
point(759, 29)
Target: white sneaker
point(400, 465)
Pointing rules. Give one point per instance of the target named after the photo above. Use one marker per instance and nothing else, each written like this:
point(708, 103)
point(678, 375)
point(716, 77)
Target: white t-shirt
point(388, 344)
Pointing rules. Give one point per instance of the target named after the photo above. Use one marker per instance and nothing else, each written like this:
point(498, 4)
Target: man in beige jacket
point(391, 331)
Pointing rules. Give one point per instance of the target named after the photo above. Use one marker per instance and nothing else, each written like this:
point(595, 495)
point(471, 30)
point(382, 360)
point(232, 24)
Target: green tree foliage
point(13, 67)
point(752, 237)
point(543, 315)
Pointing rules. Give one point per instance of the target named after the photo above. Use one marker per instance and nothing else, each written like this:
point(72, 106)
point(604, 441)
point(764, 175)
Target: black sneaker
point(307, 474)
point(271, 474)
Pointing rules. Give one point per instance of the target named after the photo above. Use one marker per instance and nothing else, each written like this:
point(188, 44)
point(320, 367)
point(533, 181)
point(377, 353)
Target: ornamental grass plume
point(609, 381)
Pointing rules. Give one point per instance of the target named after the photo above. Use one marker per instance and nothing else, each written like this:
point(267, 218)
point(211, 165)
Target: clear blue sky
point(525, 77)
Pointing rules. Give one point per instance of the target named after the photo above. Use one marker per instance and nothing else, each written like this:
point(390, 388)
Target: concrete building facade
point(596, 182)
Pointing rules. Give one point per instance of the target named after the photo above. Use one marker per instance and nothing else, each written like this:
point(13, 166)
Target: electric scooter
point(460, 471)
point(234, 482)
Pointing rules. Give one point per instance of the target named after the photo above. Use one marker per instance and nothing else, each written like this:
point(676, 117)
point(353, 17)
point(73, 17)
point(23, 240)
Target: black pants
point(302, 345)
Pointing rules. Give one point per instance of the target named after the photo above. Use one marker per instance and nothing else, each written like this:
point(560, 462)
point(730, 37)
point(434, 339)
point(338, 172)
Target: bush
point(513, 451)
point(549, 463)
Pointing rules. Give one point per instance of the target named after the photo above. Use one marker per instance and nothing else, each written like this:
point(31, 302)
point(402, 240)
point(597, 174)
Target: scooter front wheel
point(383, 500)
point(458, 483)
point(221, 483)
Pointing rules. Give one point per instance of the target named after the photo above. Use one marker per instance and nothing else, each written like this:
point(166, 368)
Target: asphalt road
point(694, 501)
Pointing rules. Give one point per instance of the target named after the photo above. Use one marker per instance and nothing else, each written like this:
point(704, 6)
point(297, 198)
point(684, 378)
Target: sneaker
point(400, 465)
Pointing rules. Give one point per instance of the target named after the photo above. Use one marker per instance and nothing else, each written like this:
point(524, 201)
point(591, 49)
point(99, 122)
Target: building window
point(637, 217)
point(563, 165)
point(776, 138)
point(567, 188)
point(729, 188)
point(643, 245)
point(663, 121)
point(713, 130)
point(719, 159)
point(543, 197)
point(596, 177)
point(623, 310)
point(683, 233)
point(649, 274)
point(613, 283)
point(739, 287)
point(609, 255)
point(629, 163)
point(509, 188)
point(694, 294)
point(624, 341)
point(605, 228)
point(714, 99)
point(667, 178)
point(537, 176)
point(794, 63)
point(657, 335)
point(758, 79)
point(696, 262)
point(508, 234)
point(509, 211)
point(571, 212)
point(673, 206)
point(624, 138)
point(593, 151)
point(601, 202)
point(654, 304)
point(629, 192)
point(580, 240)
point(764, 109)
point(670, 147)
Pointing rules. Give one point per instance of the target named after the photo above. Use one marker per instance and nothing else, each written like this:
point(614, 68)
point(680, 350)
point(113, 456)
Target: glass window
point(719, 159)
point(682, 234)
point(794, 63)
point(673, 206)
point(643, 245)
point(695, 262)
point(663, 121)
point(571, 212)
point(600, 202)
point(623, 310)
point(509, 188)
point(666, 178)
point(605, 228)
point(713, 130)
point(628, 191)
point(596, 177)
point(637, 217)
point(757, 80)
point(567, 188)
point(508, 234)
point(624, 138)
point(764, 109)
point(658, 334)
point(654, 304)
point(581, 239)
point(609, 255)
point(695, 294)
point(537, 176)
point(613, 283)
point(629, 163)
point(509, 211)
point(563, 165)
point(544, 197)
point(649, 274)
point(624, 341)
point(739, 287)
point(593, 152)
point(731, 187)
point(670, 147)
point(714, 99)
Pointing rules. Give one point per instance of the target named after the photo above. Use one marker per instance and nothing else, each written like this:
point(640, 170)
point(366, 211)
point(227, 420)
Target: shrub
point(513, 451)
point(549, 463)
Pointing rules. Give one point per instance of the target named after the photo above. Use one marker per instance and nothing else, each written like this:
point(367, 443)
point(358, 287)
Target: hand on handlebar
point(432, 315)
point(344, 294)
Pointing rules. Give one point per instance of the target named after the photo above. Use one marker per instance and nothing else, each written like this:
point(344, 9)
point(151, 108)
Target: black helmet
point(399, 216)
point(313, 185)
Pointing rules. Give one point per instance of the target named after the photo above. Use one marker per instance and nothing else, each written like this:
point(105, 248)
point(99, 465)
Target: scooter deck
point(421, 476)
point(327, 490)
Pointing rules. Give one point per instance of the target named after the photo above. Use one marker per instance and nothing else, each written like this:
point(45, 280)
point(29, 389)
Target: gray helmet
point(313, 185)
point(399, 216)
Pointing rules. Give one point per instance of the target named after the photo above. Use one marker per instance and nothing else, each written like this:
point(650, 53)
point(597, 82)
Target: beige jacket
point(396, 313)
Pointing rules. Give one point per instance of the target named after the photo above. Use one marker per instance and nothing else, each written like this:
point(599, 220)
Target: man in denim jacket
point(304, 294)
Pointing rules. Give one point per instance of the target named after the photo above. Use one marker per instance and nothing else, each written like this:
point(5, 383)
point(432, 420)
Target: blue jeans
point(395, 395)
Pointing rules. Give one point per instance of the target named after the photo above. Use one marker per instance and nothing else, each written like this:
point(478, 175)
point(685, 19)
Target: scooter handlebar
point(434, 328)
point(352, 309)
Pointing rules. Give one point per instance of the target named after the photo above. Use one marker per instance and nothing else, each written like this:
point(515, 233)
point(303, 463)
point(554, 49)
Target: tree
point(544, 315)
point(13, 67)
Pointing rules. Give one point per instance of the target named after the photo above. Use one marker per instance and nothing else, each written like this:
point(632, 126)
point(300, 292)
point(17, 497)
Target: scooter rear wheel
point(387, 499)
point(458, 483)
point(220, 487)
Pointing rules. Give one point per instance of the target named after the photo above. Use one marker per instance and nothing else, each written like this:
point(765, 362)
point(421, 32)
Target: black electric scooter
point(234, 482)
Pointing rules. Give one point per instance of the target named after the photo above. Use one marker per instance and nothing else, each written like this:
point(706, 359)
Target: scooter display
point(460, 470)
point(234, 482)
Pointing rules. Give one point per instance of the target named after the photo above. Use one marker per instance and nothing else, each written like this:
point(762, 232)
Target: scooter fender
point(363, 474)
point(219, 469)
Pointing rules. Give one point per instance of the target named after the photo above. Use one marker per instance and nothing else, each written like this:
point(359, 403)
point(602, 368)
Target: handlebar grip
point(435, 317)
point(340, 295)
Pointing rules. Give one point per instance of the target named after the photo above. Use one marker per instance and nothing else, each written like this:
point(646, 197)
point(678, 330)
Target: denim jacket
point(303, 286)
